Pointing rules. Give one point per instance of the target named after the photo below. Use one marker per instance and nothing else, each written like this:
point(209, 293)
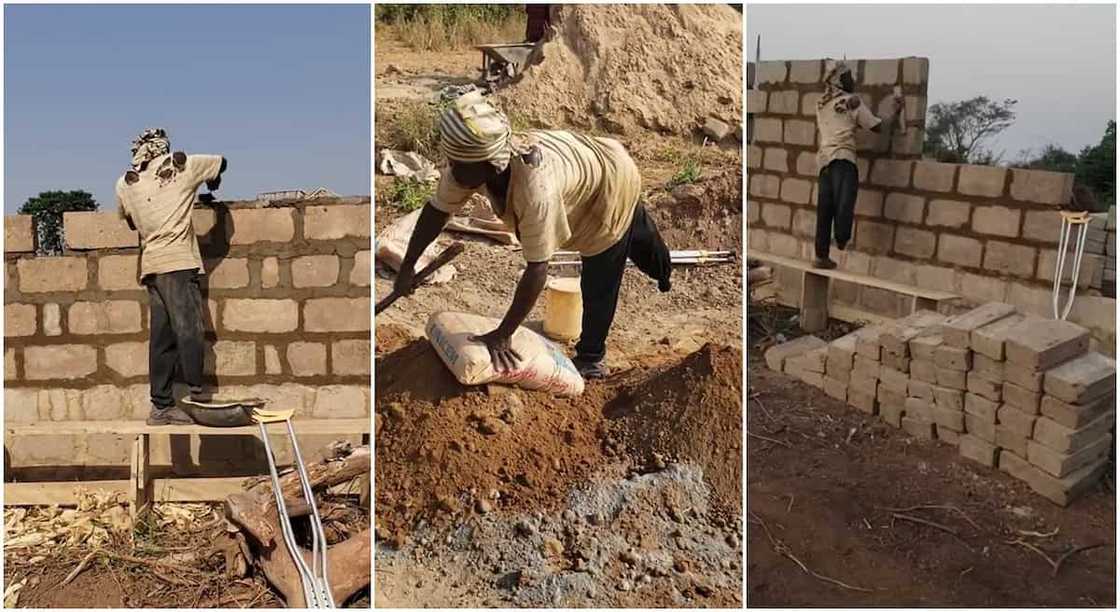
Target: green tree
point(47, 209)
point(1052, 157)
point(957, 131)
point(1096, 167)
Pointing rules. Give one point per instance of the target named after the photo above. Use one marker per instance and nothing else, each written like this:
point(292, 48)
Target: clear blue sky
point(282, 91)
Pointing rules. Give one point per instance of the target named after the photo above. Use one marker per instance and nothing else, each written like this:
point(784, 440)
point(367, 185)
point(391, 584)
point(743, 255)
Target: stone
point(952, 378)
point(983, 181)
point(1023, 400)
point(959, 250)
point(919, 428)
point(1062, 464)
point(1074, 416)
point(127, 359)
point(109, 317)
point(1017, 421)
point(260, 315)
point(1062, 439)
point(948, 399)
point(227, 273)
point(20, 320)
point(777, 355)
point(996, 221)
point(19, 234)
point(716, 129)
point(985, 388)
point(980, 428)
point(252, 225)
point(988, 340)
point(88, 230)
point(978, 450)
point(45, 274)
point(315, 271)
point(1042, 187)
point(952, 358)
point(350, 358)
point(360, 273)
point(1081, 380)
point(307, 358)
point(270, 272)
point(59, 361)
point(1041, 345)
point(952, 214)
point(923, 370)
point(980, 407)
point(118, 272)
point(337, 315)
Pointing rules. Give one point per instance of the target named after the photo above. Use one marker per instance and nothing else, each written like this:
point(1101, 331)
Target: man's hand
point(405, 282)
point(502, 355)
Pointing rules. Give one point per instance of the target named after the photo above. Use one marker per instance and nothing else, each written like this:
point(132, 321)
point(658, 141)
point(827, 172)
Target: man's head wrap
point(833, 69)
point(152, 143)
point(473, 130)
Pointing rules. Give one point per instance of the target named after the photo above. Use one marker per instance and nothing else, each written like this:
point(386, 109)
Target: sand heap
point(624, 68)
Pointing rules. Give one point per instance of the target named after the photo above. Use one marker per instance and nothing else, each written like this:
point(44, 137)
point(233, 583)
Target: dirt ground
point(824, 486)
point(626, 496)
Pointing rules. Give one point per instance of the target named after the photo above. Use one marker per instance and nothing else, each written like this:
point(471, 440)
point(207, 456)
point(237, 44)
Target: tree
point(47, 209)
point(956, 131)
point(1053, 158)
point(1096, 167)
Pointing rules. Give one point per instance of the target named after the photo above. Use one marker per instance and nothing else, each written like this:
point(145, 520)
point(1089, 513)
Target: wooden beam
point(163, 490)
point(859, 279)
point(308, 427)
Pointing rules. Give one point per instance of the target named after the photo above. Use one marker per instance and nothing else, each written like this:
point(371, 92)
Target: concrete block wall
point(1009, 390)
point(986, 233)
point(287, 290)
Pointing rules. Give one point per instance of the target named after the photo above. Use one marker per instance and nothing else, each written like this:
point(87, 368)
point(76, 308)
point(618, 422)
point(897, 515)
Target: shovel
point(441, 260)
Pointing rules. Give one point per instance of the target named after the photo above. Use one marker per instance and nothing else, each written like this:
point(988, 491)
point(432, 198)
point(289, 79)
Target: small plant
point(688, 174)
point(409, 194)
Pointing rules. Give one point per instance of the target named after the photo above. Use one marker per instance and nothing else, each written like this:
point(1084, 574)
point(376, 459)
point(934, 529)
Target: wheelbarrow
point(243, 412)
point(502, 61)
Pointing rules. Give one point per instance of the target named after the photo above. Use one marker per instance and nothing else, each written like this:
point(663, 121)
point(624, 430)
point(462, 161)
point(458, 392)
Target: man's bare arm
point(428, 227)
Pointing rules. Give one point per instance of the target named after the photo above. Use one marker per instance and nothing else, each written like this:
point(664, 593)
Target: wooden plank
point(814, 302)
point(163, 489)
point(307, 427)
point(868, 281)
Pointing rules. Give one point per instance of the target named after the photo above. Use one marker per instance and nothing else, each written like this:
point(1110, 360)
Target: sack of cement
point(392, 244)
point(543, 365)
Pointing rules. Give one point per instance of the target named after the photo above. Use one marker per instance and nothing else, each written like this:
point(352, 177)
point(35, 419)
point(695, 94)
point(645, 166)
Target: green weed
point(410, 194)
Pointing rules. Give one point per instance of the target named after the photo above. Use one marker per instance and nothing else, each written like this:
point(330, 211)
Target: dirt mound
point(627, 67)
point(692, 413)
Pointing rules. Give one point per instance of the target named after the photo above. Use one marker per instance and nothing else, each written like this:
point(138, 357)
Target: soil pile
point(628, 67)
point(689, 413)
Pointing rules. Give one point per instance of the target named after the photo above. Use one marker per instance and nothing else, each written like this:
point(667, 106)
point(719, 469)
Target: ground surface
point(604, 500)
point(821, 476)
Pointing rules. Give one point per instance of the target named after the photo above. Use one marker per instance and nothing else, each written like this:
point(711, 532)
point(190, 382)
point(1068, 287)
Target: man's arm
point(428, 227)
point(525, 297)
point(216, 182)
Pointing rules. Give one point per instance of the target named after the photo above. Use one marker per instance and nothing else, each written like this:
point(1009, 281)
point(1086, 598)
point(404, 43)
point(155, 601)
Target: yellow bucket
point(563, 309)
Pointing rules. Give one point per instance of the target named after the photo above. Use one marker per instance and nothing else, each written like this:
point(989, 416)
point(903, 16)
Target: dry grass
point(446, 27)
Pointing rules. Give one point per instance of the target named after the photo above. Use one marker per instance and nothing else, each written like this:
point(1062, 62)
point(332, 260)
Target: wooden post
point(140, 476)
point(814, 301)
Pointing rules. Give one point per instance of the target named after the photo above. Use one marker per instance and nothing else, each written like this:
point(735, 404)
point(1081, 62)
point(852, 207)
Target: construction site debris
point(406, 164)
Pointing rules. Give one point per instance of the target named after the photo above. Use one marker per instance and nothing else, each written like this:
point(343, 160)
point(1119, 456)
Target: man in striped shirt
point(556, 190)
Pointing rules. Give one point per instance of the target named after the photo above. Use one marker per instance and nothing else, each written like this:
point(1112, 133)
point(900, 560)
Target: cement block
point(771, 72)
point(896, 362)
point(337, 315)
point(260, 315)
point(948, 436)
point(918, 409)
point(777, 355)
point(767, 129)
point(952, 420)
point(954, 379)
point(97, 230)
point(270, 272)
point(109, 317)
point(1081, 380)
point(1010, 442)
point(948, 399)
point(983, 181)
point(980, 407)
point(980, 428)
point(952, 214)
point(957, 330)
point(924, 371)
point(985, 388)
point(920, 389)
point(127, 359)
point(44, 274)
point(252, 225)
point(315, 271)
point(350, 357)
point(19, 234)
point(796, 190)
point(1021, 399)
point(960, 250)
point(979, 450)
point(1031, 380)
point(756, 101)
point(987, 368)
point(893, 379)
point(891, 406)
point(59, 361)
point(1074, 416)
point(307, 358)
point(1015, 420)
point(798, 132)
point(1062, 491)
point(952, 358)
point(784, 102)
point(891, 172)
point(1042, 226)
point(1063, 464)
point(996, 221)
point(934, 176)
point(1005, 258)
point(867, 342)
point(880, 72)
point(904, 208)
point(836, 389)
point(922, 347)
point(919, 428)
point(227, 273)
point(1041, 186)
point(118, 272)
point(896, 336)
point(20, 320)
point(1062, 439)
point(1041, 345)
point(864, 399)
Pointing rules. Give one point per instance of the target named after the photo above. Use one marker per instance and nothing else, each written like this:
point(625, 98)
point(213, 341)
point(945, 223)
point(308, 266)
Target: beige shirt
point(838, 124)
point(160, 209)
point(581, 196)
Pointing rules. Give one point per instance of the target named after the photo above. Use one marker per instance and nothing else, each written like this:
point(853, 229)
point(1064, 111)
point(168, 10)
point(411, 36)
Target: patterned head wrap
point(473, 130)
point(833, 70)
point(152, 143)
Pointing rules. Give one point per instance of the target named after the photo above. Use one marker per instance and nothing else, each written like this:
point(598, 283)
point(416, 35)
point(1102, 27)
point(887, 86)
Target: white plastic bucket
point(563, 309)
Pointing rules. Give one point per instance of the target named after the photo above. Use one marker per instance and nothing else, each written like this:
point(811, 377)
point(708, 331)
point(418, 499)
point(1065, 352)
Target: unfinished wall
point(986, 233)
point(287, 290)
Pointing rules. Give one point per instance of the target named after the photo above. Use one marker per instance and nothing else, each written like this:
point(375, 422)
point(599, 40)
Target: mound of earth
point(622, 68)
point(690, 413)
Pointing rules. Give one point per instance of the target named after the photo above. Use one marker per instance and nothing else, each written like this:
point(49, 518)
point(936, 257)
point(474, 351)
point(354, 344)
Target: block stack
point(1014, 391)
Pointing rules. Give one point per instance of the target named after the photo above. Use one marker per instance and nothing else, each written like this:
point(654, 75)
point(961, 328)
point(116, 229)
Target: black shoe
point(591, 370)
point(169, 416)
point(663, 285)
point(824, 264)
point(840, 246)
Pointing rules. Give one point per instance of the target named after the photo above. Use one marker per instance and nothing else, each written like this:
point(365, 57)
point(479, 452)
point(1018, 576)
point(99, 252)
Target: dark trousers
point(175, 303)
point(601, 280)
point(837, 188)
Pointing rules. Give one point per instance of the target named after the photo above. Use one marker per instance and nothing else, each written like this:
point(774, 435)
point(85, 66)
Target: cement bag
point(392, 244)
point(543, 365)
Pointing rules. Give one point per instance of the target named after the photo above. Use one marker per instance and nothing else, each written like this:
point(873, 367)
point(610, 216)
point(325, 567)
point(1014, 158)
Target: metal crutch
point(1070, 220)
point(316, 587)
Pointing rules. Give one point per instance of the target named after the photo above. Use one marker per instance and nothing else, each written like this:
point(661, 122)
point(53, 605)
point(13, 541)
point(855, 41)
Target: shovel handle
point(441, 260)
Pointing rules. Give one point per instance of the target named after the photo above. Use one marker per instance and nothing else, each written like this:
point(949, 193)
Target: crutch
point(313, 579)
point(1070, 221)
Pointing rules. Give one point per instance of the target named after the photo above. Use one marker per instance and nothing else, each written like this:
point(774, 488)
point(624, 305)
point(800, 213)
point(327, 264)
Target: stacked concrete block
point(288, 318)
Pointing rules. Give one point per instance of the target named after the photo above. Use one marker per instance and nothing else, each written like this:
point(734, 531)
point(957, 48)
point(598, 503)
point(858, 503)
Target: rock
point(716, 129)
point(732, 540)
point(568, 516)
point(395, 411)
point(524, 528)
point(483, 506)
point(513, 408)
point(490, 426)
point(553, 547)
point(688, 193)
point(595, 518)
point(625, 585)
point(629, 557)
